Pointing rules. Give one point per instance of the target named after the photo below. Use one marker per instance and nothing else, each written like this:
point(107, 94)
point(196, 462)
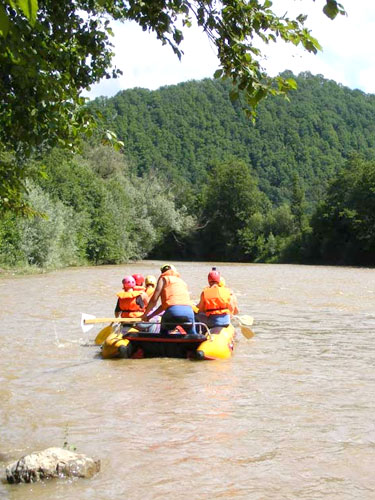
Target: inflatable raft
point(125, 342)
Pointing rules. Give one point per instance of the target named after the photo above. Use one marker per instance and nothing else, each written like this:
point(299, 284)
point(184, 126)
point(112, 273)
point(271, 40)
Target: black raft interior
point(154, 345)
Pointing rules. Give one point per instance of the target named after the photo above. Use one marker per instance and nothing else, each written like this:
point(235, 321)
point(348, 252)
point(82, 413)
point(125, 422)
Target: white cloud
point(347, 56)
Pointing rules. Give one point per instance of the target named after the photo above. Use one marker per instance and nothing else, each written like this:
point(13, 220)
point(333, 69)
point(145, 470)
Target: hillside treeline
point(198, 180)
point(183, 130)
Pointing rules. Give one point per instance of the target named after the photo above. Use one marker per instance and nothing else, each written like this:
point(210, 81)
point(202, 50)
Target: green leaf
point(4, 22)
point(218, 73)
point(29, 8)
point(291, 83)
point(331, 9)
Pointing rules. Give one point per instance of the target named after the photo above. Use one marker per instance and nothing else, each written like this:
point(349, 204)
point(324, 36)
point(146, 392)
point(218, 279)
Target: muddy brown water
point(290, 416)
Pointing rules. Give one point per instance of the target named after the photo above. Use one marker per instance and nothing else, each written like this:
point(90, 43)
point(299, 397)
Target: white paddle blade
point(246, 320)
point(242, 320)
point(86, 328)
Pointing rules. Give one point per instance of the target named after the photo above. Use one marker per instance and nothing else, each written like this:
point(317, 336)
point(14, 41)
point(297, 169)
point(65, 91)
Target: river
point(290, 416)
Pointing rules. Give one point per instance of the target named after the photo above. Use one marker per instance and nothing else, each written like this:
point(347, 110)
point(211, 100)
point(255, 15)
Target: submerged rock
point(51, 463)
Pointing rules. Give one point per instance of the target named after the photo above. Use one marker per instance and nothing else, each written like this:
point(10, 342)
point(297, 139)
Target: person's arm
point(201, 306)
point(117, 309)
point(154, 299)
point(146, 298)
point(156, 312)
point(142, 300)
point(233, 304)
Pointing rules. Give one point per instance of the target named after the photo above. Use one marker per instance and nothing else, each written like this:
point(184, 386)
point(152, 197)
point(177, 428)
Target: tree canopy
point(182, 130)
point(50, 51)
point(252, 193)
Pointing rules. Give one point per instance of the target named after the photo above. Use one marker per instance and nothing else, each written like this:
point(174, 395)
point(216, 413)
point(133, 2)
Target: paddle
point(103, 334)
point(245, 322)
point(88, 321)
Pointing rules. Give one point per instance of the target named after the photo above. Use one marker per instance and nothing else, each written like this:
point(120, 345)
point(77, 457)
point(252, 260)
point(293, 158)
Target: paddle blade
point(247, 332)
point(103, 334)
point(84, 317)
point(246, 320)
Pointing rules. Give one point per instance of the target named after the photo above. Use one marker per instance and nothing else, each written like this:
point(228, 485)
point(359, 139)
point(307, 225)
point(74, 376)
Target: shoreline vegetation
point(33, 271)
point(197, 181)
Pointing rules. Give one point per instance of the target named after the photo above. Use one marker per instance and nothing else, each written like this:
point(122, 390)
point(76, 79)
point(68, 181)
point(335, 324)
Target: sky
point(348, 56)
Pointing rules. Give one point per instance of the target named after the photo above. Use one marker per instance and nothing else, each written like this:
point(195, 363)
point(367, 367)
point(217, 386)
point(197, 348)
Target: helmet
point(150, 280)
point(213, 276)
point(139, 279)
point(128, 282)
point(166, 267)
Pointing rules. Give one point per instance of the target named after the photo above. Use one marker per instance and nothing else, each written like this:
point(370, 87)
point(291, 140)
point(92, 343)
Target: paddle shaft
point(110, 320)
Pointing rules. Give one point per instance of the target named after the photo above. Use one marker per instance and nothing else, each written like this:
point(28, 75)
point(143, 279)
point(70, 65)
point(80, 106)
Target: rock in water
point(51, 463)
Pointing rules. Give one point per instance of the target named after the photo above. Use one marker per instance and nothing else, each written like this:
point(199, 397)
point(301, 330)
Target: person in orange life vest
point(150, 282)
point(234, 303)
point(131, 303)
point(175, 302)
point(216, 302)
point(139, 282)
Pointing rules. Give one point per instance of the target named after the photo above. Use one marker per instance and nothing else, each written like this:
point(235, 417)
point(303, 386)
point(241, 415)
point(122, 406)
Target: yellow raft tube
point(216, 343)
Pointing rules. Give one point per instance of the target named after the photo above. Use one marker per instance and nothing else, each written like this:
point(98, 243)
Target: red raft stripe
point(164, 339)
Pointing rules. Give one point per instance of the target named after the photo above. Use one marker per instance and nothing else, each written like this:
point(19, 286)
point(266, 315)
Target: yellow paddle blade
point(247, 331)
point(103, 334)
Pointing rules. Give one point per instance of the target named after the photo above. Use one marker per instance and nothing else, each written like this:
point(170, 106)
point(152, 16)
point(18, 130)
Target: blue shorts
point(214, 319)
point(177, 315)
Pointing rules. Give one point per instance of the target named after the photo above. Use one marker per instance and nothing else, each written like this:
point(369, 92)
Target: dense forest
point(197, 179)
point(182, 130)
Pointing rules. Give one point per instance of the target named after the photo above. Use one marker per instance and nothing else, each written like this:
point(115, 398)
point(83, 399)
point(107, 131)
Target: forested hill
point(198, 181)
point(182, 130)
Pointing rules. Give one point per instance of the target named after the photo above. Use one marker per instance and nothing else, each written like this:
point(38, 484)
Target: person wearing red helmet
point(139, 282)
point(131, 303)
point(217, 302)
point(175, 302)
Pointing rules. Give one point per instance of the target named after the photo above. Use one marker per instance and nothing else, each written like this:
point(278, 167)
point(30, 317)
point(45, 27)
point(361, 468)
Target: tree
point(232, 201)
point(344, 224)
point(298, 205)
point(50, 51)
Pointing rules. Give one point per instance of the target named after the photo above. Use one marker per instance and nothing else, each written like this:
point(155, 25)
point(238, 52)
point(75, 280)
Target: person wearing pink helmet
point(217, 302)
point(131, 303)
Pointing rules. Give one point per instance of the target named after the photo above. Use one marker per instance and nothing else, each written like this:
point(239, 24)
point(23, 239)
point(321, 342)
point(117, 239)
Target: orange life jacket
point(216, 300)
point(140, 287)
point(175, 291)
point(128, 305)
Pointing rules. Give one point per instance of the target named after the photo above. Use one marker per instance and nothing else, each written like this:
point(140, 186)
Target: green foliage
point(232, 202)
point(181, 131)
point(11, 253)
point(343, 226)
point(48, 241)
point(298, 204)
point(50, 51)
point(90, 209)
